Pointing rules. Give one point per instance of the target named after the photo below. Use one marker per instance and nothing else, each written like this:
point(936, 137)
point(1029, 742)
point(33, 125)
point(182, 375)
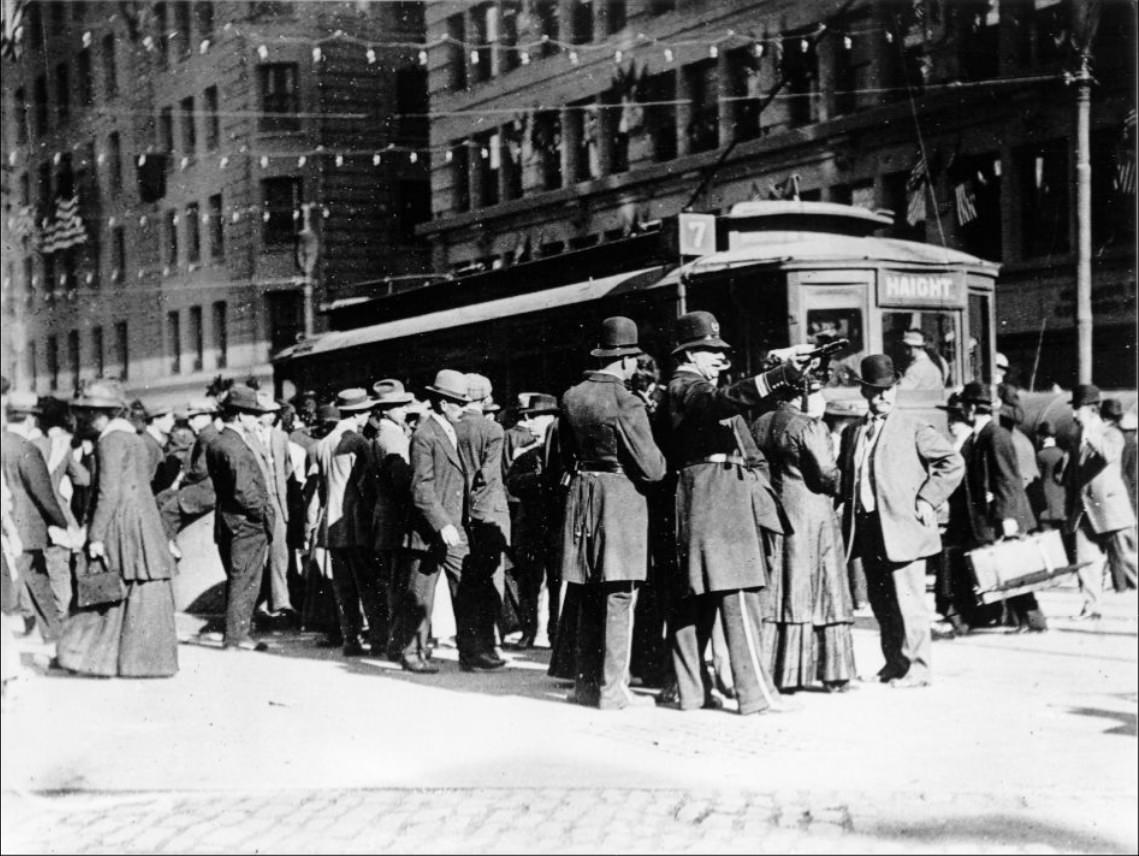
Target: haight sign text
point(913, 288)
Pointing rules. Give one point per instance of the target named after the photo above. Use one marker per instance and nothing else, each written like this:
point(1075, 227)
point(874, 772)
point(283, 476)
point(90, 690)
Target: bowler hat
point(877, 370)
point(619, 338)
point(199, 406)
point(450, 384)
point(1085, 394)
point(977, 393)
point(1111, 408)
point(327, 413)
point(101, 395)
point(242, 398)
point(353, 400)
point(698, 330)
point(23, 402)
point(540, 403)
point(952, 404)
point(914, 338)
point(390, 392)
point(478, 387)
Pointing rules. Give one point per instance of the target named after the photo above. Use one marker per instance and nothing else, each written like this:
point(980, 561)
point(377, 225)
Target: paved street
point(1024, 743)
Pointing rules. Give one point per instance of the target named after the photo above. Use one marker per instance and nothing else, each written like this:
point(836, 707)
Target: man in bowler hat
point(607, 443)
point(244, 519)
point(896, 472)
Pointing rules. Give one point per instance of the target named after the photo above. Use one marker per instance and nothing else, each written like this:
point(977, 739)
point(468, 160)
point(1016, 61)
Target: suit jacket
point(909, 461)
point(66, 472)
point(438, 486)
point(480, 450)
point(276, 460)
point(34, 503)
point(344, 473)
point(1093, 480)
point(243, 506)
point(991, 467)
point(196, 492)
point(391, 467)
point(1049, 461)
point(124, 514)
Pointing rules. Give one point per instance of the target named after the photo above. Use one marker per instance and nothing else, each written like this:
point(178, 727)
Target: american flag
point(12, 31)
point(915, 190)
point(1124, 179)
point(66, 231)
point(966, 202)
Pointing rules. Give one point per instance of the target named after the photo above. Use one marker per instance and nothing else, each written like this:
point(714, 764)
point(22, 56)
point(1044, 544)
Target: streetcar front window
point(827, 325)
point(924, 346)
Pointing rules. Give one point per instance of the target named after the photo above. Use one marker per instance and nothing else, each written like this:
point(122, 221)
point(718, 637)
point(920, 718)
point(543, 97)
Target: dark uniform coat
point(605, 531)
point(196, 493)
point(722, 509)
point(1050, 462)
point(991, 466)
point(480, 450)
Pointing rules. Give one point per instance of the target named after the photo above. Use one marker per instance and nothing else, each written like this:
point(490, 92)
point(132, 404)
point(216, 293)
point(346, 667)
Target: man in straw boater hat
point(896, 472)
point(437, 535)
point(607, 443)
point(343, 461)
point(244, 517)
point(726, 512)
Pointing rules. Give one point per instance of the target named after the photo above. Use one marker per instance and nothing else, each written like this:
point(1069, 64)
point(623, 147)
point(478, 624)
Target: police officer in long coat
point(607, 443)
point(726, 511)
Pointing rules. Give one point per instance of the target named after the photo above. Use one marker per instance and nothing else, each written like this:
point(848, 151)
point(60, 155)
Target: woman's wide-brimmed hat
point(390, 393)
point(877, 370)
point(619, 338)
point(450, 384)
point(101, 395)
point(698, 330)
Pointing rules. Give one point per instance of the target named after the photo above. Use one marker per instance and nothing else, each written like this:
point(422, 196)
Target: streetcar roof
point(813, 250)
point(460, 316)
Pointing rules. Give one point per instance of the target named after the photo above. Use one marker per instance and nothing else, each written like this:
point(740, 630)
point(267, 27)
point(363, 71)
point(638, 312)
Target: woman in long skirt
point(808, 635)
point(134, 637)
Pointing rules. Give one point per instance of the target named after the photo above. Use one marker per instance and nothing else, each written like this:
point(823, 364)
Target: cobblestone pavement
point(535, 820)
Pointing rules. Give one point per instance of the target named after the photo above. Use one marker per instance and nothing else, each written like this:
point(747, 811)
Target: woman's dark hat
point(698, 330)
point(539, 403)
point(619, 338)
point(877, 370)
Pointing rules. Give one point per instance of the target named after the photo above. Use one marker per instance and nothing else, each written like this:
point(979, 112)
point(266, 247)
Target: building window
point(174, 341)
point(617, 17)
point(484, 19)
point(118, 253)
point(581, 23)
point(216, 228)
point(801, 68)
point(43, 188)
point(40, 105)
point(1113, 207)
point(704, 118)
point(58, 18)
point(659, 7)
point(221, 333)
point(189, 130)
point(21, 117)
point(25, 189)
point(110, 68)
point(83, 72)
point(122, 349)
point(171, 228)
point(49, 272)
point(182, 28)
point(32, 364)
point(162, 23)
point(546, 11)
point(98, 354)
point(166, 131)
point(35, 23)
point(281, 198)
point(213, 127)
point(660, 119)
point(488, 162)
point(53, 361)
point(1044, 203)
point(115, 156)
point(193, 234)
point(414, 206)
point(205, 13)
point(546, 138)
point(456, 52)
point(74, 358)
point(975, 182)
point(978, 54)
point(286, 319)
point(280, 97)
point(197, 340)
point(461, 177)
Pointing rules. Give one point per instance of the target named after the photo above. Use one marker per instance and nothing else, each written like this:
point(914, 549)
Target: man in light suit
point(272, 446)
point(1097, 501)
point(488, 518)
point(896, 472)
point(437, 536)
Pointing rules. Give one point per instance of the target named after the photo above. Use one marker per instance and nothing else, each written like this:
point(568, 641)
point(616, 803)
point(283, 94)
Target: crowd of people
point(639, 523)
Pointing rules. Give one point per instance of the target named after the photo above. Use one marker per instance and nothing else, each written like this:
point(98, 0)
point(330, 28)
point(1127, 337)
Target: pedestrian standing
point(488, 521)
point(35, 508)
point(607, 442)
point(896, 472)
point(1050, 513)
point(437, 538)
point(727, 515)
point(345, 487)
point(1096, 497)
point(156, 435)
point(809, 637)
point(243, 519)
point(319, 611)
point(194, 496)
point(391, 462)
point(134, 637)
point(1121, 547)
point(272, 447)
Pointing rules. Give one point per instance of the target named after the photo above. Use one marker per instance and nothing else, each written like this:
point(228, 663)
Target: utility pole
point(1083, 81)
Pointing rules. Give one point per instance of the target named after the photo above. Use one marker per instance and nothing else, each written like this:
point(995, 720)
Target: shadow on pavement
point(990, 830)
point(1128, 722)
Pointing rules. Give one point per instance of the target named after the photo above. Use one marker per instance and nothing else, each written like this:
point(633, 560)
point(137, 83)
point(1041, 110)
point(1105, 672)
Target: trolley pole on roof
point(1083, 82)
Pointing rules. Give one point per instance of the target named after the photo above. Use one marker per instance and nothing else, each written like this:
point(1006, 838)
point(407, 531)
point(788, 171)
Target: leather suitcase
point(1018, 565)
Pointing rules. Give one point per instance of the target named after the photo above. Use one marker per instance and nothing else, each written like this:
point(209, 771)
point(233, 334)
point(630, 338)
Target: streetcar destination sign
point(921, 289)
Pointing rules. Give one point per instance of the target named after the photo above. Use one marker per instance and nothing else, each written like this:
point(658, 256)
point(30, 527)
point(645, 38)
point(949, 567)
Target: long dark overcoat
point(991, 466)
point(605, 532)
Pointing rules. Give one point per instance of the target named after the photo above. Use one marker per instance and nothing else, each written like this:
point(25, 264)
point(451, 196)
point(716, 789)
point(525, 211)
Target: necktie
point(865, 481)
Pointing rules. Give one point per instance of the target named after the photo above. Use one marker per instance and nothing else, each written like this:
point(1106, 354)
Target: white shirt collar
point(980, 421)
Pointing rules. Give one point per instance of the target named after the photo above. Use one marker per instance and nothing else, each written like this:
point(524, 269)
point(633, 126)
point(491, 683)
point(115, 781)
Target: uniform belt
point(599, 467)
point(718, 458)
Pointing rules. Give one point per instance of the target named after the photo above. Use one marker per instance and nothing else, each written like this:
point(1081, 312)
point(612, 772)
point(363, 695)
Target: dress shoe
point(631, 701)
point(418, 666)
point(525, 642)
point(909, 682)
point(481, 663)
point(838, 686)
point(354, 649)
point(245, 645)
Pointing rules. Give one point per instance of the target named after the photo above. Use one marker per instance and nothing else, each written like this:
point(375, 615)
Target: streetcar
point(774, 273)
